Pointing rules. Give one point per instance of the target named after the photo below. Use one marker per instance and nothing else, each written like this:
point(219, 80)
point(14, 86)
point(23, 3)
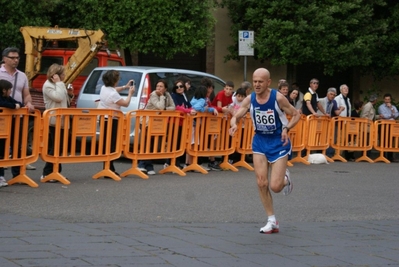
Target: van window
point(48, 61)
point(172, 77)
point(95, 82)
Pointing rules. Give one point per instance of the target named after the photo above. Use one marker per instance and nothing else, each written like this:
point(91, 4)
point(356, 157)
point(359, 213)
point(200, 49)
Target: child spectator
point(239, 96)
point(224, 98)
point(6, 101)
point(237, 100)
point(198, 103)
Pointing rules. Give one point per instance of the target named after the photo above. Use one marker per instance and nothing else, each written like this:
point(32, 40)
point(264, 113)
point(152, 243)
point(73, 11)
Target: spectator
point(280, 82)
point(199, 104)
point(299, 102)
point(240, 95)
point(210, 95)
point(183, 105)
point(329, 104)
point(311, 100)
point(6, 101)
point(344, 101)
point(160, 99)
point(237, 101)
point(387, 111)
point(224, 98)
point(111, 99)
point(293, 97)
point(190, 89)
point(55, 95)
point(368, 112)
point(283, 88)
point(332, 110)
point(247, 86)
point(20, 89)
point(358, 105)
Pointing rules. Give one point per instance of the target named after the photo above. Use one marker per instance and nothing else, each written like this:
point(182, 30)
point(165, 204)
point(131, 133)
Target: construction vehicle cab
point(86, 51)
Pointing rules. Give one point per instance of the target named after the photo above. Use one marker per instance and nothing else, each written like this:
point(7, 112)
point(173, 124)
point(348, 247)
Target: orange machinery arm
point(89, 43)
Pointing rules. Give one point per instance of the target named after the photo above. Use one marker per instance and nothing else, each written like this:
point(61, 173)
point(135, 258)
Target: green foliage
point(163, 27)
point(335, 34)
point(18, 13)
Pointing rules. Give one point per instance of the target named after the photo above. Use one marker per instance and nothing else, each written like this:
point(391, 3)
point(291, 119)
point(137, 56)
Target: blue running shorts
point(271, 146)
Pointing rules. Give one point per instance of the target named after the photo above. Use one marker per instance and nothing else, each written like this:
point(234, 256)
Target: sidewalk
point(40, 242)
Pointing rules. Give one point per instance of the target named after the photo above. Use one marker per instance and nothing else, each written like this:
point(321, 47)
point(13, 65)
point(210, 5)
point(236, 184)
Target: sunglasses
point(179, 86)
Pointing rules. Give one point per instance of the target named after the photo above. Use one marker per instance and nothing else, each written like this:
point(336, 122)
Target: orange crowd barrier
point(298, 138)
point(17, 126)
point(386, 138)
point(318, 135)
point(245, 133)
point(209, 137)
point(352, 134)
point(80, 136)
point(159, 134)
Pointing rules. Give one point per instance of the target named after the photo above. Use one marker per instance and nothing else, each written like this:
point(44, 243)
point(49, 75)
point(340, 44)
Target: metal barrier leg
point(195, 166)
point(173, 168)
point(299, 158)
point(364, 157)
point(225, 165)
point(243, 163)
point(382, 158)
point(107, 172)
point(134, 170)
point(56, 175)
point(327, 157)
point(22, 178)
point(337, 156)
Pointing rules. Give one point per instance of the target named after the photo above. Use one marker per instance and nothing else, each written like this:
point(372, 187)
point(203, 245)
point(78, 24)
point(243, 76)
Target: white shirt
point(108, 98)
point(341, 102)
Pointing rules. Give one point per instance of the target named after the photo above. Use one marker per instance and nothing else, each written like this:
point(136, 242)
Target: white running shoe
point(205, 167)
point(3, 182)
point(50, 181)
point(289, 186)
point(270, 228)
point(30, 167)
point(151, 172)
point(143, 169)
point(165, 165)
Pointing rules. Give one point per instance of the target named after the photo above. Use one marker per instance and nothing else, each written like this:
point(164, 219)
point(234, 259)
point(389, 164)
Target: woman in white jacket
point(55, 95)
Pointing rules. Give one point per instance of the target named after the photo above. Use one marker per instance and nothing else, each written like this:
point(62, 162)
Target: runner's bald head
point(262, 72)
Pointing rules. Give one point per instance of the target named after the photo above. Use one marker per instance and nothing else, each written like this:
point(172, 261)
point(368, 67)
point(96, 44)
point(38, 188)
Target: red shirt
point(226, 100)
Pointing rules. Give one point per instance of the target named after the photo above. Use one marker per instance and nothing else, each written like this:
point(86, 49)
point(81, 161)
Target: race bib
point(265, 120)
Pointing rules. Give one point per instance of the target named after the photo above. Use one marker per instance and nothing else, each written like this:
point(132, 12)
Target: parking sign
point(245, 43)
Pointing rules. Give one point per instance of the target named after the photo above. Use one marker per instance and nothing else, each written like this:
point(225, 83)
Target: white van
point(146, 79)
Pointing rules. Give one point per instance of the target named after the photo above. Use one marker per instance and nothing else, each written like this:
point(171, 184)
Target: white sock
point(272, 218)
